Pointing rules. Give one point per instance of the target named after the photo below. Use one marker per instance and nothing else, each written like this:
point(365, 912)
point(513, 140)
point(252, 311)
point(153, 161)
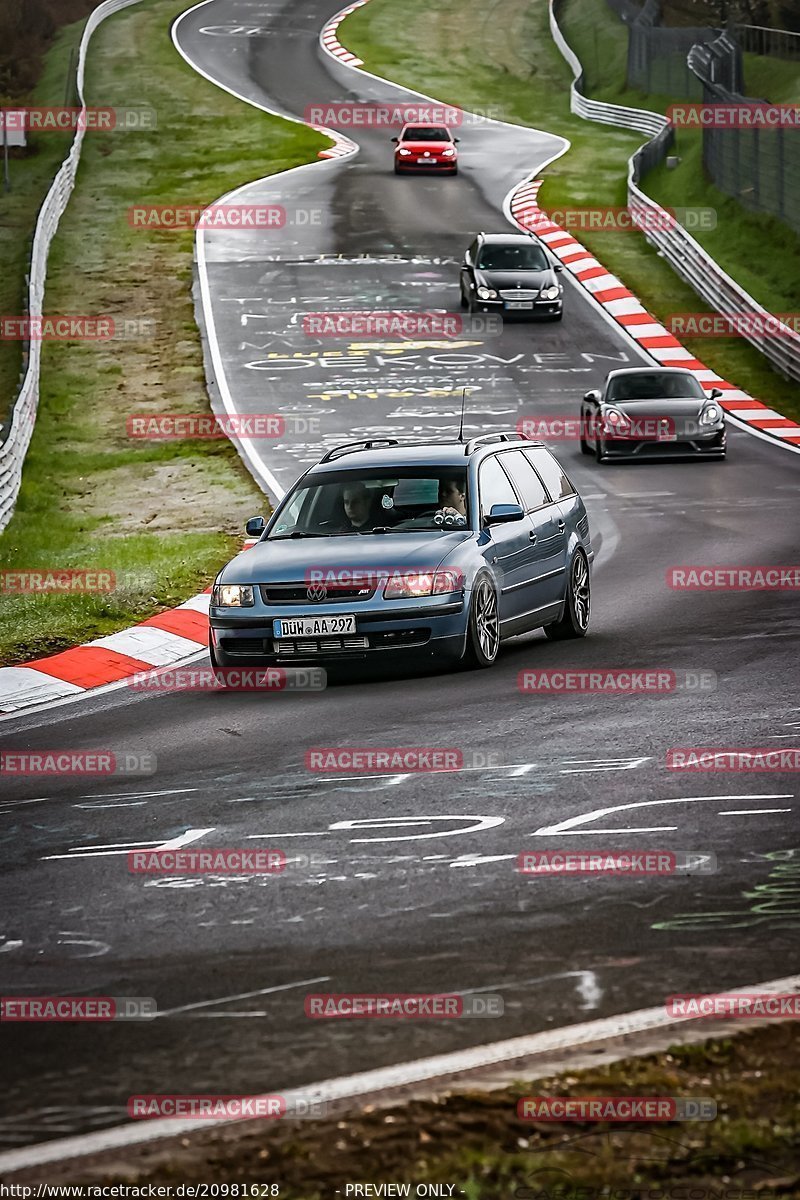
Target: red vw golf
point(429, 149)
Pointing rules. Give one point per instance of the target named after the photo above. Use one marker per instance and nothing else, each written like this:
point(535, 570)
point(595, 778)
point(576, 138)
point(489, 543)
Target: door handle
point(561, 526)
point(532, 534)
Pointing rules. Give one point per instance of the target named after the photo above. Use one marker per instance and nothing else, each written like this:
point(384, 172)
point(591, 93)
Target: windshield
point(513, 258)
point(426, 133)
point(433, 499)
point(654, 385)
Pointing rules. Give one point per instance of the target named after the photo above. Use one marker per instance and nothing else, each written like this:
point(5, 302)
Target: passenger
point(356, 502)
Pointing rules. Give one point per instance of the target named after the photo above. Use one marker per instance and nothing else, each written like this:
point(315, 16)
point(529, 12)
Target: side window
point(528, 483)
point(494, 486)
point(554, 478)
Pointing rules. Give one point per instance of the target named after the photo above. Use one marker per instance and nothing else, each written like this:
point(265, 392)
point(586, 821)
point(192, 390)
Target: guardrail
point(18, 430)
point(685, 255)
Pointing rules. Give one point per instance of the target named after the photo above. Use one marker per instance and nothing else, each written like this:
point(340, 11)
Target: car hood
point(292, 560)
point(691, 406)
point(421, 147)
point(509, 280)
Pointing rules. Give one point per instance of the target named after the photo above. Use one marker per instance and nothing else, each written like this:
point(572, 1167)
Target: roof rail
point(502, 435)
point(352, 447)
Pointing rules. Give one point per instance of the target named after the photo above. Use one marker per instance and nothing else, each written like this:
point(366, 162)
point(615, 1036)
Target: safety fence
point(16, 433)
point(686, 256)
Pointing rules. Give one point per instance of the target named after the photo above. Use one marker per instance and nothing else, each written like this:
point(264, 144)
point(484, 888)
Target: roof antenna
point(461, 426)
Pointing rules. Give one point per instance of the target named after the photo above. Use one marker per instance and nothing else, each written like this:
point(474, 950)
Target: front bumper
point(539, 309)
point(426, 630)
point(708, 445)
point(431, 167)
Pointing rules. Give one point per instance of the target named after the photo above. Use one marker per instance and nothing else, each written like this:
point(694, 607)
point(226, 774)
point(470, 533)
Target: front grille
point(243, 645)
point(519, 294)
point(288, 646)
point(297, 593)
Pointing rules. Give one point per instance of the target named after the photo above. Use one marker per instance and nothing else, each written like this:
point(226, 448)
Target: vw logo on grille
point(317, 591)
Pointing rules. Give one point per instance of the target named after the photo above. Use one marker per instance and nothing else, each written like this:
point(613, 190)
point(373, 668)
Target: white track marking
point(748, 812)
point(267, 991)
point(360, 1087)
point(569, 824)
point(80, 852)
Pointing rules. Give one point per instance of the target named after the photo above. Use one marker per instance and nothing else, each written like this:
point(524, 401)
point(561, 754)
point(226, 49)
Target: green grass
point(30, 178)
point(164, 516)
point(520, 74)
point(474, 1142)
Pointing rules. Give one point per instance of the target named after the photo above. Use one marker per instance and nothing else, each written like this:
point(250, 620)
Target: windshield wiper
point(296, 533)
point(377, 529)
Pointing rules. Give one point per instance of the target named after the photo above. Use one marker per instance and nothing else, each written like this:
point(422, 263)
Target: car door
point(507, 548)
point(467, 269)
point(547, 533)
point(552, 524)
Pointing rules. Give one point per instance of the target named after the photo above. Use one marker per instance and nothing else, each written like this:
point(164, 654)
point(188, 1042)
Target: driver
point(452, 500)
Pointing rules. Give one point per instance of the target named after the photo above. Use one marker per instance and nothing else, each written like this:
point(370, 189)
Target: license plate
point(427, 162)
point(302, 627)
point(519, 304)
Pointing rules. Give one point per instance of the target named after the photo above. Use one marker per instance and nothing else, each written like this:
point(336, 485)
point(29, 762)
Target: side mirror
point(501, 514)
point(715, 394)
point(592, 397)
point(394, 139)
point(456, 139)
point(255, 527)
point(558, 268)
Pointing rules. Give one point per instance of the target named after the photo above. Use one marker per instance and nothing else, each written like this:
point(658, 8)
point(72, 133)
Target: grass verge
point(162, 516)
point(520, 74)
point(474, 1143)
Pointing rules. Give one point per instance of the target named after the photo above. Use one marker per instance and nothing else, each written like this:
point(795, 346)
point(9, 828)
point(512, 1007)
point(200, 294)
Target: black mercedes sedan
point(513, 275)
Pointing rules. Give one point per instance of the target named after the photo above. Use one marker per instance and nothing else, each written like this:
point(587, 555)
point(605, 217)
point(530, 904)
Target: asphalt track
point(411, 884)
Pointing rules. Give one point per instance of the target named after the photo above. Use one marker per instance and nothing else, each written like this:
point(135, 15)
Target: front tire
point(599, 450)
point(577, 602)
point(483, 628)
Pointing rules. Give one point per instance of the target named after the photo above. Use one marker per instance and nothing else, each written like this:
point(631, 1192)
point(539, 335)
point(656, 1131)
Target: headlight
point(551, 293)
point(232, 595)
point(710, 415)
point(424, 583)
point(487, 293)
point(615, 421)
point(448, 153)
point(402, 151)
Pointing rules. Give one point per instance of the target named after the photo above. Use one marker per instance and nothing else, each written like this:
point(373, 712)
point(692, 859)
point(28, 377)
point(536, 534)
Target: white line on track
point(369, 1083)
point(267, 991)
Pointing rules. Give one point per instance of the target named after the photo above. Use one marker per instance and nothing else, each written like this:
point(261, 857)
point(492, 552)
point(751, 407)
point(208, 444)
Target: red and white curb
point(331, 42)
point(165, 640)
point(627, 311)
